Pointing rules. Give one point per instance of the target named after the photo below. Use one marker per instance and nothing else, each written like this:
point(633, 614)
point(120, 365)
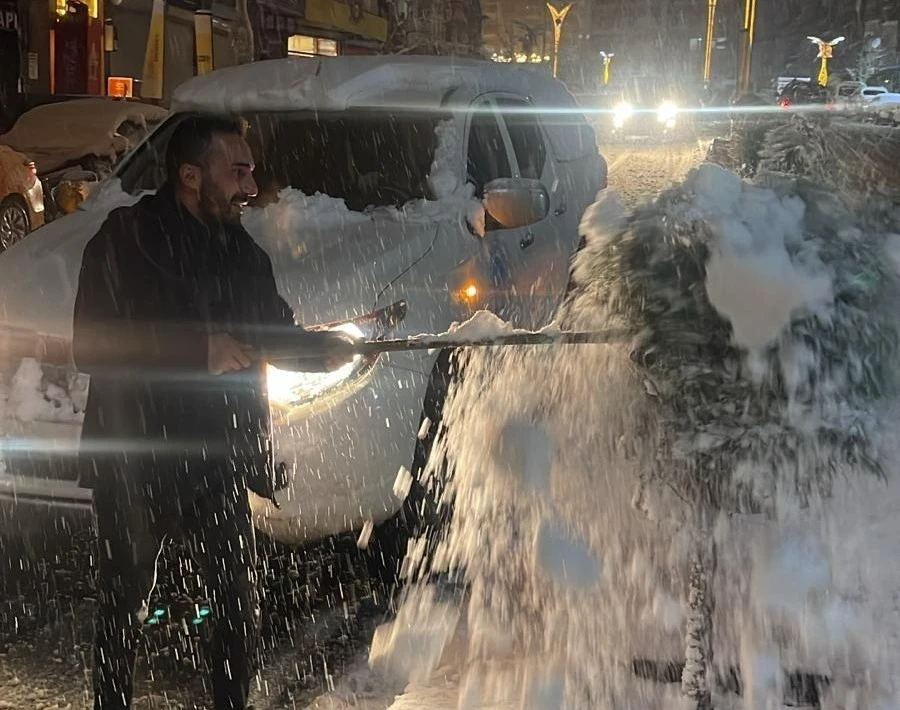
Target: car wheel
point(421, 513)
point(15, 221)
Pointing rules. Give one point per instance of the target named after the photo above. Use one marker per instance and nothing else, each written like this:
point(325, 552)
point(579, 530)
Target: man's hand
point(225, 354)
point(338, 349)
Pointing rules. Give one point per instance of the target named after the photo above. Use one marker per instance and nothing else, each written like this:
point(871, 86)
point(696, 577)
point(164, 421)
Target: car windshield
point(366, 158)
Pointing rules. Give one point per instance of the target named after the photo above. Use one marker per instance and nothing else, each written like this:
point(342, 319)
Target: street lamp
point(607, 60)
point(747, 54)
point(710, 38)
point(826, 51)
point(558, 16)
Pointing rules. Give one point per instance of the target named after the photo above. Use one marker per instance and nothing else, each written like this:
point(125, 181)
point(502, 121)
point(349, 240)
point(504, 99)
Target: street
point(320, 608)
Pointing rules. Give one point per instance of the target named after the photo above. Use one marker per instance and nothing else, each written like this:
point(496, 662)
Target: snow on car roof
point(339, 83)
point(388, 81)
point(56, 134)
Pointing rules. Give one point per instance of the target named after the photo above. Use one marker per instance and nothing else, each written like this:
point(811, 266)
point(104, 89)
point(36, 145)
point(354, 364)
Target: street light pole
point(747, 54)
point(826, 52)
point(607, 61)
point(558, 16)
point(710, 38)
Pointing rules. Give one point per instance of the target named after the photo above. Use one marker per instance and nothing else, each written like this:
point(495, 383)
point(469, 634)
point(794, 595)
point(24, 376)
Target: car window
point(525, 136)
point(486, 157)
point(365, 158)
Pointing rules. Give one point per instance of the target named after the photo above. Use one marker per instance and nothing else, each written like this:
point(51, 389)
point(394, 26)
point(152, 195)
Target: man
point(175, 305)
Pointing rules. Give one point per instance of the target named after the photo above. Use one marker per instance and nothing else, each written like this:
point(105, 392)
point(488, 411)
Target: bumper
point(345, 457)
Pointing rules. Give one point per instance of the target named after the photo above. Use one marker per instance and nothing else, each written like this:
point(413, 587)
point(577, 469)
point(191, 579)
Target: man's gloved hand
point(338, 349)
point(225, 354)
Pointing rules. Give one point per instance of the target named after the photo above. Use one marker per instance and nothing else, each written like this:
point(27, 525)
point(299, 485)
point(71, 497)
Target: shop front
point(316, 28)
point(10, 53)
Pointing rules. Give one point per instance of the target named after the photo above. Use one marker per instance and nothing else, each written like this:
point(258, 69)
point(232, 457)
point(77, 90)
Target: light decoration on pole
point(519, 58)
point(558, 16)
point(607, 61)
point(826, 51)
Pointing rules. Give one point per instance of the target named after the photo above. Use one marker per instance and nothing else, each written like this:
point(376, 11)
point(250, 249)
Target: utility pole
point(558, 16)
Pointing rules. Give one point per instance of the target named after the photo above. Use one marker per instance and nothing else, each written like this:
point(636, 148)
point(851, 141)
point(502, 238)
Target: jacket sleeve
point(109, 331)
point(281, 333)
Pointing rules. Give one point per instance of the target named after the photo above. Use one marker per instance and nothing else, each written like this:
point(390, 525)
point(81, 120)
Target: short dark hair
point(192, 138)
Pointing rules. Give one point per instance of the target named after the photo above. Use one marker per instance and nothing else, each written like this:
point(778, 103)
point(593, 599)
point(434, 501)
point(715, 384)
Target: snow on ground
point(581, 511)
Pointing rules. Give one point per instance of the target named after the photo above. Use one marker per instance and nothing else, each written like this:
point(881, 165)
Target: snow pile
point(722, 487)
point(33, 397)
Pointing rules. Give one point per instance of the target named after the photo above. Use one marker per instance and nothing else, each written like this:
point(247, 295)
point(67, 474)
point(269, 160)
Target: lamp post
point(558, 17)
point(710, 38)
point(607, 61)
point(747, 54)
point(826, 51)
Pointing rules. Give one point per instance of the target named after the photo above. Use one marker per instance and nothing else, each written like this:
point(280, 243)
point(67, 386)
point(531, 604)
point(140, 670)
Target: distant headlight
point(294, 393)
point(667, 112)
point(621, 114)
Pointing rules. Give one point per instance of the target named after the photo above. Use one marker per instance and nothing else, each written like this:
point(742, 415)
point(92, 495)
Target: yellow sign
point(203, 41)
point(154, 58)
point(337, 15)
point(121, 86)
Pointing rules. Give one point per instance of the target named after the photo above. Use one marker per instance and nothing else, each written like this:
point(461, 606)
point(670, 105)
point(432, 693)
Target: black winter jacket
point(154, 283)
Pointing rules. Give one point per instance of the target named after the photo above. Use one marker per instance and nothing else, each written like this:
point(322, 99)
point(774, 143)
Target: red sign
point(122, 86)
point(70, 51)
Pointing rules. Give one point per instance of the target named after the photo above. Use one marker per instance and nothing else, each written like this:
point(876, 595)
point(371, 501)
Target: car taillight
point(784, 102)
point(32, 167)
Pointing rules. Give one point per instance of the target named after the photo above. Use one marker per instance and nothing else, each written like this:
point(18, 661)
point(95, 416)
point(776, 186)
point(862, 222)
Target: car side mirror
point(516, 202)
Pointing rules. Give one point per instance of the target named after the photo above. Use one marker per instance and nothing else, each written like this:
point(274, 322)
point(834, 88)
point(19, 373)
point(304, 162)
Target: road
point(321, 608)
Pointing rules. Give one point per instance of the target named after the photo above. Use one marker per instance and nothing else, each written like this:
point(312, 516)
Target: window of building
point(306, 46)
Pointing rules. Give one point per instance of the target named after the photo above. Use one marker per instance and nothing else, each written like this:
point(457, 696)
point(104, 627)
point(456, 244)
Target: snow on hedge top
point(55, 134)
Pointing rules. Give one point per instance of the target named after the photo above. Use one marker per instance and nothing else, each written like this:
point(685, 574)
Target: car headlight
point(621, 114)
point(293, 394)
point(667, 112)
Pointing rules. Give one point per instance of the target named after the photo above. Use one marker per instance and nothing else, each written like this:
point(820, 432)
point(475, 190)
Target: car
point(76, 143)
point(799, 93)
point(884, 108)
point(21, 197)
point(644, 108)
point(397, 195)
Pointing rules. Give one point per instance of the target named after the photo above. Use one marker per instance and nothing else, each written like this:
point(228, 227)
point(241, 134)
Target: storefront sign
point(9, 51)
point(154, 58)
point(33, 64)
point(121, 86)
point(349, 18)
point(203, 41)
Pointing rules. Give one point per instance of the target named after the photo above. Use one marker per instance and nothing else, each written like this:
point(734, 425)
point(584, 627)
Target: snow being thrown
point(703, 512)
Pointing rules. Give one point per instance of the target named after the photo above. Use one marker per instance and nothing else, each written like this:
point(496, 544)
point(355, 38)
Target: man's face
point(227, 182)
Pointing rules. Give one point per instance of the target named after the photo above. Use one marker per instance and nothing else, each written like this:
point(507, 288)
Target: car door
point(547, 245)
point(489, 158)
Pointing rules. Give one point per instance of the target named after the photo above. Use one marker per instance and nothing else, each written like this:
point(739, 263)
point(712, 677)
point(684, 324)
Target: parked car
point(21, 197)
point(397, 195)
point(800, 93)
point(885, 109)
point(79, 142)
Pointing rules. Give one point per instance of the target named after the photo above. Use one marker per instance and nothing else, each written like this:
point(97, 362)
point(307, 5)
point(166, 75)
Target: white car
point(397, 196)
point(885, 108)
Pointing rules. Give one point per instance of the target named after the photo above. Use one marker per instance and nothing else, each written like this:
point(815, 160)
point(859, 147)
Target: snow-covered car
point(885, 108)
point(397, 196)
point(21, 197)
point(78, 142)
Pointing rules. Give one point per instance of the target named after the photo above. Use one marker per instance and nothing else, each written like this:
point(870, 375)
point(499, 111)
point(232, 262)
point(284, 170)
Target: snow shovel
point(439, 342)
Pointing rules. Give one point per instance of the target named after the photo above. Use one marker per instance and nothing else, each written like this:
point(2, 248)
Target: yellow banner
point(154, 59)
point(203, 41)
point(338, 15)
